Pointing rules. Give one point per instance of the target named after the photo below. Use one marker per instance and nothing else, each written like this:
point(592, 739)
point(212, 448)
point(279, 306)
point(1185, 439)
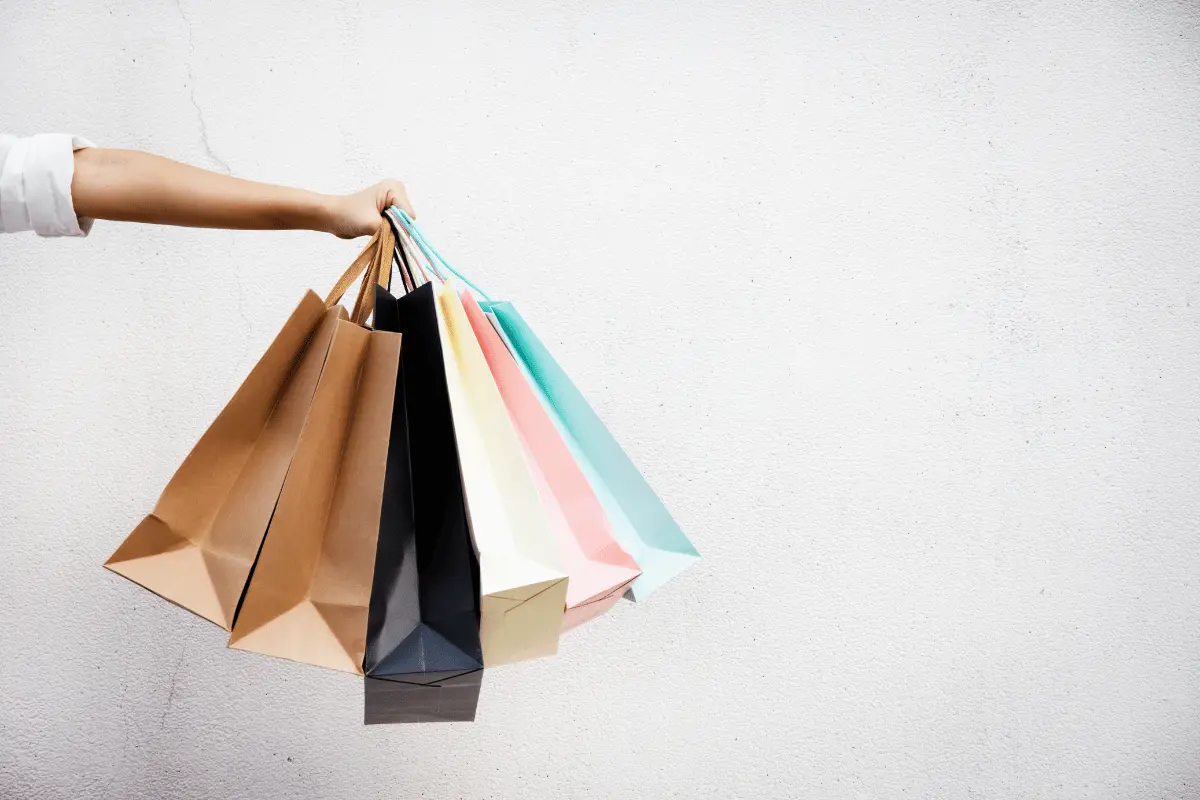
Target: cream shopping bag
point(523, 586)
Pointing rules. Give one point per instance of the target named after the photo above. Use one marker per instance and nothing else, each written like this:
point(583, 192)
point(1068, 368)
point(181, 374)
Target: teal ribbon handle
point(431, 253)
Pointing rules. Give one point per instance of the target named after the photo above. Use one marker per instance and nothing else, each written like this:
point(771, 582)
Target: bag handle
point(380, 247)
point(403, 258)
point(414, 237)
point(420, 269)
point(415, 234)
point(380, 271)
point(361, 262)
point(364, 302)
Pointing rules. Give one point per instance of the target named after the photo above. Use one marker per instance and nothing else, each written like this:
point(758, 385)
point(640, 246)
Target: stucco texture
point(897, 304)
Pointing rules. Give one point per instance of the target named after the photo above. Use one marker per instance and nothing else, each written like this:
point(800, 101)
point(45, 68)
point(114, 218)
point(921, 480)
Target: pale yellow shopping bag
point(523, 585)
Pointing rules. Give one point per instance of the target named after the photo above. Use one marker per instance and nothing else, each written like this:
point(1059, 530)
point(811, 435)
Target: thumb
point(394, 194)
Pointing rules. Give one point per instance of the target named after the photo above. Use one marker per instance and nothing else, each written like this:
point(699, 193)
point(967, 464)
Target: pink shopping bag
point(599, 569)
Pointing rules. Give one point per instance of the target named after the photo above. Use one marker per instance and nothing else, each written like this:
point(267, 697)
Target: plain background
point(896, 304)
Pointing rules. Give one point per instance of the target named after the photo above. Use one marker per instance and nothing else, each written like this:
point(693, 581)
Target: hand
point(358, 214)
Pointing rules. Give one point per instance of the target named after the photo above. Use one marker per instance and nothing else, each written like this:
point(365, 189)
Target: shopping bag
point(198, 545)
point(599, 570)
point(451, 697)
point(640, 522)
point(423, 661)
point(307, 599)
point(522, 582)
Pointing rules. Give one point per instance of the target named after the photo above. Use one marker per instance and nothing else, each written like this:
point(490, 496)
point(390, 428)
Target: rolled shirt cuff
point(35, 186)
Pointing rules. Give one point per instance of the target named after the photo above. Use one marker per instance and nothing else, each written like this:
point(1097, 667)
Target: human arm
point(55, 185)
point(132, 186)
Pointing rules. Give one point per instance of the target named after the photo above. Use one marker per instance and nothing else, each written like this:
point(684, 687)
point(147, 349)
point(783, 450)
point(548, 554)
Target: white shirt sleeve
point(35, 185)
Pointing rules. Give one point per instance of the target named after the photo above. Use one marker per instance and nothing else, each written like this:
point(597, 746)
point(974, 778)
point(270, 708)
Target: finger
point(399, 197)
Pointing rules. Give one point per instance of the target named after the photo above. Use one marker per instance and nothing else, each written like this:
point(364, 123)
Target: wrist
point(318, 212)
point(298, 209)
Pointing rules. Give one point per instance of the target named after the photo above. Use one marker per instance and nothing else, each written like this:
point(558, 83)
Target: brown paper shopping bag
point(309, 595)
point(197, 547)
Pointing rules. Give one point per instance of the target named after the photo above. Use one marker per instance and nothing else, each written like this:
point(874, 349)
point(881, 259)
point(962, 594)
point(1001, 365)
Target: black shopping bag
point(423, 660)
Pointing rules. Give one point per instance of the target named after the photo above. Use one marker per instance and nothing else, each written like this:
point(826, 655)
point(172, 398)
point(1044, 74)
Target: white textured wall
point(896, 303)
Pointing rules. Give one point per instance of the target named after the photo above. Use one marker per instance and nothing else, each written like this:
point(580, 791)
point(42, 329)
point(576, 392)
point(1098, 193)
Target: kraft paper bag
point(640, 522)
point(197, 547)
point(308, 596)
point(424, 662)
point(599, 569)
point(523, 584)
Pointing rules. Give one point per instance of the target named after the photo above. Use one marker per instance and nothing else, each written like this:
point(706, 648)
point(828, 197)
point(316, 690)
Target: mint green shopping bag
point(640, 522)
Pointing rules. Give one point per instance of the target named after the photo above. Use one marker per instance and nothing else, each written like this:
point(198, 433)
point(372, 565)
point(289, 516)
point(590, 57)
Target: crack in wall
point(171, 693)
point(208, 148)
point(187, 23)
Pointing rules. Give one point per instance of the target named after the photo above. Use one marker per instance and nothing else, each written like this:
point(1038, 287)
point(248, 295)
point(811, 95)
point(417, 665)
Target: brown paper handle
point(377, 253)
point(380, 271)
point(385, 275)
point(356, 315)
point(352, 272)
